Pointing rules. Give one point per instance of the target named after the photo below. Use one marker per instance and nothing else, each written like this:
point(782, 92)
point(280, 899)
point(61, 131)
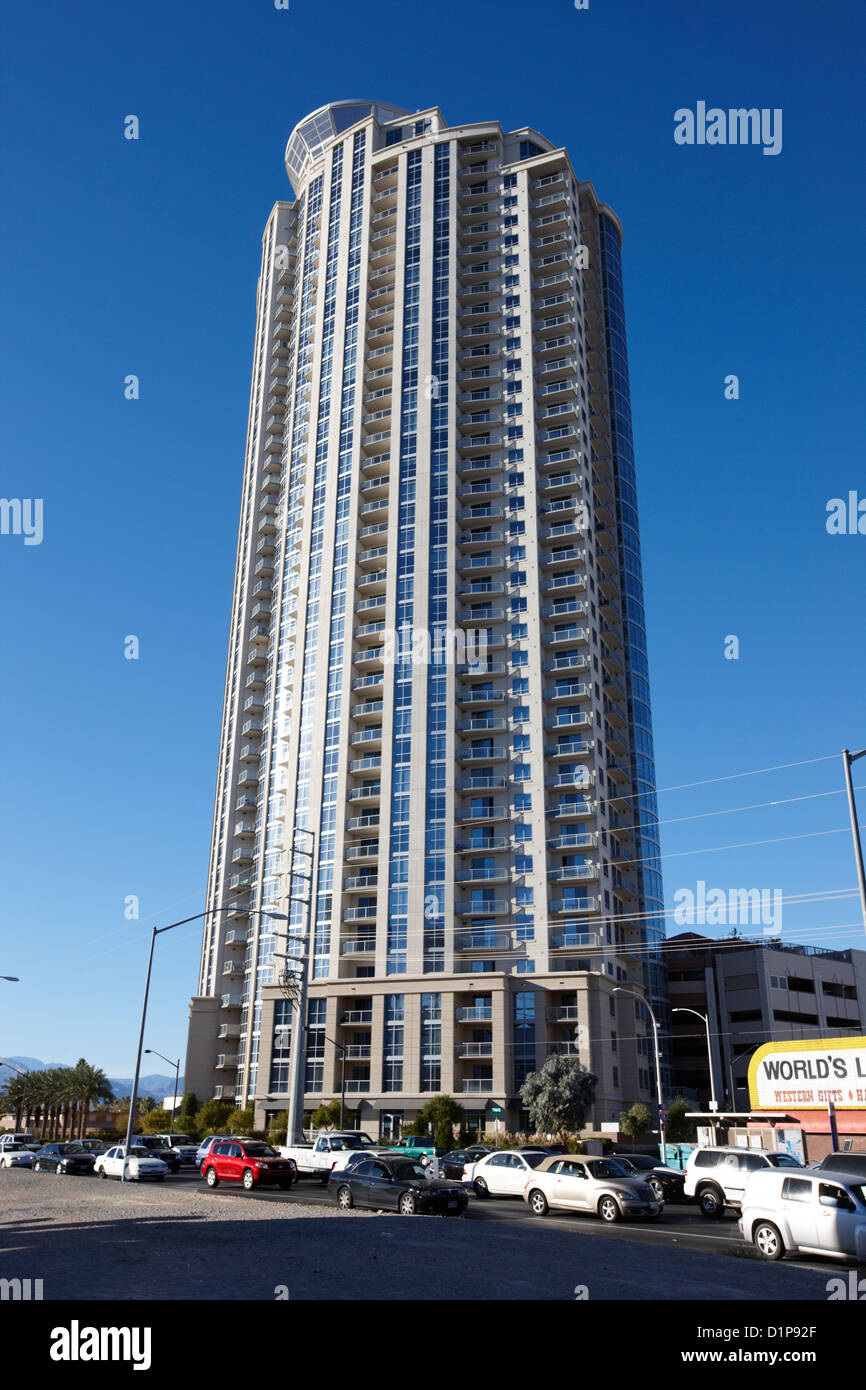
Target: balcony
point(356, 1016)
point(357, 1088)
point(585, 839)
point(575, 904)
point(361, 883)
point(474, 785)
point(569, 719)
point(357, 1052)
point(226, 1061)
point(360, 914)
point(565, 634)
point(481, 814)
point(360, 946)
point(480, 907)
point(562, 1013)
point(230, 1001)
point(569, 690)
point(369, 795)
point(483, 846)
point(370, 851)
point(571, 873)
point(497, 754)
point(475, 1085)
point(237, 909)
point(480, 697)
point(466, 1050)
point(571, 748)
point(235, 938)
point(367, 822)
point(474, 1015)
point(229, 1030)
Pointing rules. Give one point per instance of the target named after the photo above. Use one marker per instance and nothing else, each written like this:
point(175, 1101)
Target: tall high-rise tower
point(437, 662)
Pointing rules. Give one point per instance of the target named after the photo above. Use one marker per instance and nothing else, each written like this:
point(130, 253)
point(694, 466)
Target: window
point(523, 834)
point(521, 714)
point(797, 1189)
point(523, 862)
point(523, 801)
point(522, 772)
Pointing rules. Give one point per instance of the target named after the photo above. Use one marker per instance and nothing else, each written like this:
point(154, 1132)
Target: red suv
point(248, 1161)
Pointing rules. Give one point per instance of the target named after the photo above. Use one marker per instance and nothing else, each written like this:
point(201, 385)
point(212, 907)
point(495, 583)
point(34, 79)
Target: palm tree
point(92, 1085)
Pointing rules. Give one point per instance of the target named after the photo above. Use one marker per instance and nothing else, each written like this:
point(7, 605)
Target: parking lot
point(90, 1239)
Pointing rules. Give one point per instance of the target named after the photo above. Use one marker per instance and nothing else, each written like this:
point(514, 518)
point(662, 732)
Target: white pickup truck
point(330, 1150)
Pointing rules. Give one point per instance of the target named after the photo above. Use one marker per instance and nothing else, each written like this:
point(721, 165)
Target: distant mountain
point(153, 1084)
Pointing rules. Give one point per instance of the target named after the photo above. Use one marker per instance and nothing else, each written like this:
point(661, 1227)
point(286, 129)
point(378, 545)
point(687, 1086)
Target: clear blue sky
point(141, 257)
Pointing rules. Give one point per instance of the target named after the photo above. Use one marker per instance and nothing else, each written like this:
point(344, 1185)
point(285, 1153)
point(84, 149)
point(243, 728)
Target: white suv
point(717, 1176)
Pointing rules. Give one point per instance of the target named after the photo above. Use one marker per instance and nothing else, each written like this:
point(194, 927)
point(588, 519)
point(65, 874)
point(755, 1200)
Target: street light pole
point(158, 931)
point(663, 1125)
point(848, 759)
point(706, 1018)
point(152, 1051)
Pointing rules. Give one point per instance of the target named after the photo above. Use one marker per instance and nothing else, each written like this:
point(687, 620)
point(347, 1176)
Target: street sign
point(496, 1109)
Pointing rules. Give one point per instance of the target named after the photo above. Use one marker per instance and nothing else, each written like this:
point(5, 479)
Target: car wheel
point(407, 1205)
point(211, 1178)
point(248, 1180)
point(37, 1167)
point(657, 1188)
point(608, 1210)
point(160, 1177)
point(102, 1173)
point(711, 1202)
point(284, 1184)
point(480, 1188)
point(345, 1199)
point(766, 1237)
point(538, 1203)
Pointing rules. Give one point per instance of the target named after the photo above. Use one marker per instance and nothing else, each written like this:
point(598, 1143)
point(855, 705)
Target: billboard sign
point(809, 1075)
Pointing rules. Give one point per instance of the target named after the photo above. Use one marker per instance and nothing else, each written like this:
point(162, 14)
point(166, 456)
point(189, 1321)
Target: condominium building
point(753, 993)
point(437, 687)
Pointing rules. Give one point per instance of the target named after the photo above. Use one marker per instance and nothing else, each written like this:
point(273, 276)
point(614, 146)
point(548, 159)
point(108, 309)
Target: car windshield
point(139, 1152)
point(72, 1148)
point(783, 1161)
point(533, 1160)
point(636, 1160)
point(409, 1171)
point(607, 1168)
point(260, 1151)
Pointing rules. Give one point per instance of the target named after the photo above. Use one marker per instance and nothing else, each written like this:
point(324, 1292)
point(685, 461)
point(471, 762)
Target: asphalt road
point(178, 1240)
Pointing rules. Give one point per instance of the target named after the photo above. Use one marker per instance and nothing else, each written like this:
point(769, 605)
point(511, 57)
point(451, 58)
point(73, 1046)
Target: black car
point(667, 1183)
point(171, 1159)
point(853, 1164)
point(399, 1185)
point(63, 1158)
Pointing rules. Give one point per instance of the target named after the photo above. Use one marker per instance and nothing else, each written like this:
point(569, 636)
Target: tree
point(241, 1121)
point(188, 1107)
point(679, 1129)
point(438, 1118)
point(157, 1121)
point(559, 1096)
point(327, 1116)
point(92, 1086)
point(213, 1116)
point(636, 1122)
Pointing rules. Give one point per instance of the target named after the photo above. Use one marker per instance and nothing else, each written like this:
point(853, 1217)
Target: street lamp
point(152, 1052)
point(662, 1117)
point(848, 759)
point(158, 931)
point(706, 1018)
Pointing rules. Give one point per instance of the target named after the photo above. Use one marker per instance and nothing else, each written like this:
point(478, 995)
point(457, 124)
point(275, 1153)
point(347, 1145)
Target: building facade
point(436, 757)
point(754, 993)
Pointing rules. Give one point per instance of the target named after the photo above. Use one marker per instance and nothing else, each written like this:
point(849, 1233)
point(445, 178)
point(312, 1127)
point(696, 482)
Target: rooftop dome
point(310, 135)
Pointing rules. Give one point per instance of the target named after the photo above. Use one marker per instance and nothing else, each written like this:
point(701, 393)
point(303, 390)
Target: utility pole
point(848, 759)
point(294, 1124)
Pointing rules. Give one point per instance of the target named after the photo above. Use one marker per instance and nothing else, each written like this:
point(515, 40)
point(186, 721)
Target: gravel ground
point(99, 1240)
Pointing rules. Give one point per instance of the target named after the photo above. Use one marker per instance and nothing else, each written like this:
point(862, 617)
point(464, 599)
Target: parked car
point(452, 1163)
point(503, 1173)
point(598, 1186)
point(28, 1141)
point(667, 1183)
point(248, 1161)
point(64, 1158)
point(16, 1156)
point(93, 1146)
point(396, 1184)
point(805, 1214)
point(717, 1176)
point(413, 1146)
point(141, 1166)
point(207, 1144)
point(854, 1164)
point(154, 1145)
point(182, 1145)
point(332, 1149)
